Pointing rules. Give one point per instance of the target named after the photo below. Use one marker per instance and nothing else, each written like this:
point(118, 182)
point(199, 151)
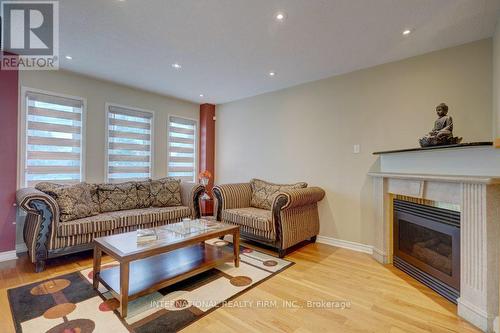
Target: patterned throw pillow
point(94, 195)
point(74, 202)
point(47, 187)
point(166, 192)
point(144, 198)
point(113, 197)
point(263, 193)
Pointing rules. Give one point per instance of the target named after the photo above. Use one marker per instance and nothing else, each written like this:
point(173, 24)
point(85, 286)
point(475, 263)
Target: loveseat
point(63, 219)
point(278, 215)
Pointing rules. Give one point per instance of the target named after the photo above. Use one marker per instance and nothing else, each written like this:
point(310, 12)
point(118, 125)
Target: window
point(182, 148)
point(129, 143)
point(53, 142)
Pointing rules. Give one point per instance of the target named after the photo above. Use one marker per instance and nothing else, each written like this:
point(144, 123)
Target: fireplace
point(427, 246)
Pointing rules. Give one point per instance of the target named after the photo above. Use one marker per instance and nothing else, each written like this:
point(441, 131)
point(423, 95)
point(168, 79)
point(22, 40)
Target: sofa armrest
point(26, 197)
point(230, 196)
point(296, 217)
point(40, 223)
point(190, 196)
point(298, 197)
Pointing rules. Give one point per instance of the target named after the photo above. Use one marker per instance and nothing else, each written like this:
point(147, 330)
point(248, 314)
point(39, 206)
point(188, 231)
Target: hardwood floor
point(382, 298)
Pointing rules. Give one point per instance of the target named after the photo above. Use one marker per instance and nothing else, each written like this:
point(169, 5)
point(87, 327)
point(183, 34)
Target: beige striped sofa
point(49, 233)
point(278, 215)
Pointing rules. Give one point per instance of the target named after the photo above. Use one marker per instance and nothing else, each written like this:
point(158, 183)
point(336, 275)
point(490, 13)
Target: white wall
point(307, 132)
point(98, 93)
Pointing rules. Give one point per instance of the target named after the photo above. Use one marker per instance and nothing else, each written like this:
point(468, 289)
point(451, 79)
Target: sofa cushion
point(144, 198)
point(255, 218)
point(124, 219)
point(74, 201)
point(166, 192)
point(88, 225)
point(113, 197)
point(263, 193)
point(151, 215)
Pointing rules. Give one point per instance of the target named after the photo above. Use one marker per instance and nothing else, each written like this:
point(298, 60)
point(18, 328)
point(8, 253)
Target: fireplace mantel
point(479, 198)
point(488, 180)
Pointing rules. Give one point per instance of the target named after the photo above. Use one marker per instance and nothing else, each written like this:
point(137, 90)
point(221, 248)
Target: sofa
point(277, 215)
point(63, 219)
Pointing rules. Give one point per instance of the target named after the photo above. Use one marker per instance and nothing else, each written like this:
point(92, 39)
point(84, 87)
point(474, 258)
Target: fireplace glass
point(429, 246)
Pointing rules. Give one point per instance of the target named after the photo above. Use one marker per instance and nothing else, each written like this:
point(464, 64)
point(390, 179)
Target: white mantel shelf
point(487, 180)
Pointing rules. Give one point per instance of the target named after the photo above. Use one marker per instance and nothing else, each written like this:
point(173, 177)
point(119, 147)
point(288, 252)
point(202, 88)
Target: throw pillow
point(144, 199)
point(263, 193)
point(166, 192)
point(74, 202)
point(47, 187)
point(113, 197)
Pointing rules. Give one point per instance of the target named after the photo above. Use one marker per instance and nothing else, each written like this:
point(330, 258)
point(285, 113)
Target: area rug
point(69, 304)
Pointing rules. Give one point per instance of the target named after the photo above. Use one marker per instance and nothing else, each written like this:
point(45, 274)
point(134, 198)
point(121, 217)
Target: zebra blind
point(182, 148)
point(129, 144)
point(53, 151)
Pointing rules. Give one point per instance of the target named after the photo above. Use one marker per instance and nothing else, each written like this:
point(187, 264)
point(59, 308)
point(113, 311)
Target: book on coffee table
point(146, 235)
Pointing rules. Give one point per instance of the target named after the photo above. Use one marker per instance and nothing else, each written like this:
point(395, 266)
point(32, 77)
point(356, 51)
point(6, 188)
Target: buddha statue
point(442, 133)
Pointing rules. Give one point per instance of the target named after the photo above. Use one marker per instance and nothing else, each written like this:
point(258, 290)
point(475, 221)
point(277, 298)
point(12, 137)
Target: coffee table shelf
point(173, 257)
point(153, 273)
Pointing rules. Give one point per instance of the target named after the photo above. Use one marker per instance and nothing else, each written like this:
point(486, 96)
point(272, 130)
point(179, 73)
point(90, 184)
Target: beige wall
point(97, 93)
point(308, 132)
point(496, 82)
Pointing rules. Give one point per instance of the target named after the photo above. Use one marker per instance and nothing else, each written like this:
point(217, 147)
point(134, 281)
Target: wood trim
point(497, 143)
point(207, 151)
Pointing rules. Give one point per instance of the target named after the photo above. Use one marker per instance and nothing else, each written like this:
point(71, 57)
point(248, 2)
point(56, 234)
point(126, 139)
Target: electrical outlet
point(356, 149)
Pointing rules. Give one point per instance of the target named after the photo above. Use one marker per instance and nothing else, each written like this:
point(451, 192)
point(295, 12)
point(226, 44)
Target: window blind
point(53, 151)
point(182, 148)
point(129, 144)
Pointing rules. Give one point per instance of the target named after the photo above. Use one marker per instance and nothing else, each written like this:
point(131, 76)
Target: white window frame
point(196, 143)
point(106, 136)
point(23, 133)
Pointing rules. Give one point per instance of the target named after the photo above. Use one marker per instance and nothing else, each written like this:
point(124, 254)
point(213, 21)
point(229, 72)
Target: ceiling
point(228, 47)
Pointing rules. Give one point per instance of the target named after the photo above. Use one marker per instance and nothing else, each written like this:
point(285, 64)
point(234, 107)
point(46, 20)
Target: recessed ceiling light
point(280, 16)
point(407, 32)
point(68, 57)
point(176, 66)
point(201, 95)
point(272, 73)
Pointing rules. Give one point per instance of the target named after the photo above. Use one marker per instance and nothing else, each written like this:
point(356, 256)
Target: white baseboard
point(381, 256)
point(345, 244)
point(20, 248)
point(8, 255)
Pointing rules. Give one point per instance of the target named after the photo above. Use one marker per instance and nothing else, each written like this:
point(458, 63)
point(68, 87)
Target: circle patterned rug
point(68, 303)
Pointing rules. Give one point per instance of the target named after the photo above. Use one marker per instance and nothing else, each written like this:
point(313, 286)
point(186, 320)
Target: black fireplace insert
point(427, 246)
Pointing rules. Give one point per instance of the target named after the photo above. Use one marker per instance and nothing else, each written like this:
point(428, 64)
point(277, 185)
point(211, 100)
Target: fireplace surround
point(479, 200)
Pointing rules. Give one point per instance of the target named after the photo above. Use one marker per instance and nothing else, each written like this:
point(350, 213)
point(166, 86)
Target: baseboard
point(345, 244)
point(381, 256)
point(21, 248)
point(475, 316)
point(8, 255)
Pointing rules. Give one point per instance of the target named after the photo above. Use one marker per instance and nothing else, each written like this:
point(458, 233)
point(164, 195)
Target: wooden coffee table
point(175, 256)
